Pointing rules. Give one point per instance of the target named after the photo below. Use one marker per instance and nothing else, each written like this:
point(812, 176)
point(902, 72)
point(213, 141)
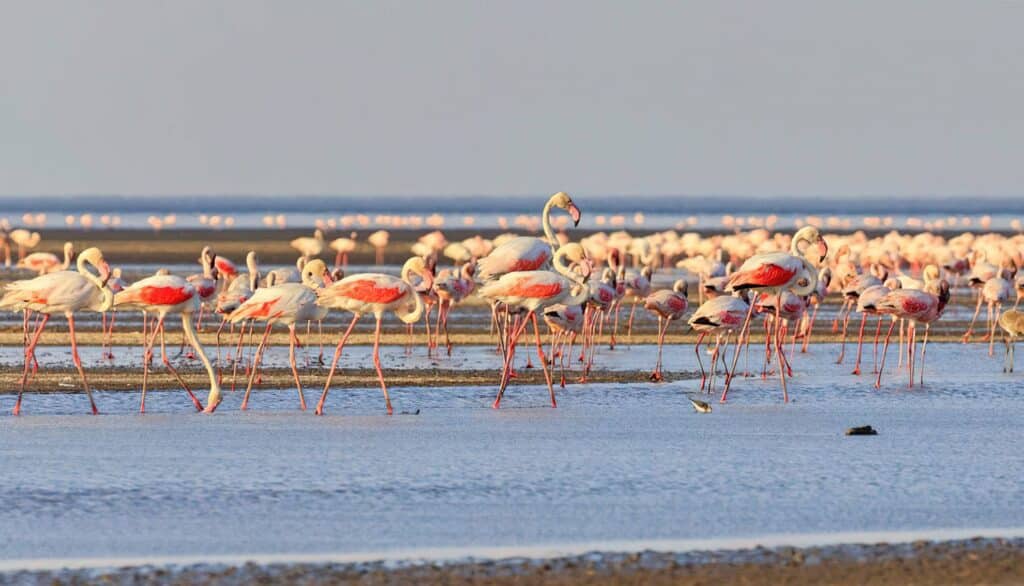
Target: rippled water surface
point(613, 463)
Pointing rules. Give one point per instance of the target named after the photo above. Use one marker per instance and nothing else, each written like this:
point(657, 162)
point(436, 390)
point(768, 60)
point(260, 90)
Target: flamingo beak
point(105, 273)
point(823, 247)
point(327, 279)
point(575, 213)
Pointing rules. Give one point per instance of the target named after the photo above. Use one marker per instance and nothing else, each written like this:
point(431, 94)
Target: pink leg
point(860, 342)
point(292, 340)
point(170, 367)
point(885, 349)
point(543, 360)
point(334, 363)
point(735, 359)
point(376, 365)
point(78, 362)
point(29, 353)
point(255, 365)
point(147, 353)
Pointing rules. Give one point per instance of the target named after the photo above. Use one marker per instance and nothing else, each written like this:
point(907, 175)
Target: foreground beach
point(991, 561)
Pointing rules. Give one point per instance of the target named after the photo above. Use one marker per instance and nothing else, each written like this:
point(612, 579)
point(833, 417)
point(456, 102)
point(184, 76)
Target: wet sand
point(973, 561)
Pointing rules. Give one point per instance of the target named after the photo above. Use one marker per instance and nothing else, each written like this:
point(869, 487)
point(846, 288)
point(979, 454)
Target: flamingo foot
point(657, 377)
point(856, 371)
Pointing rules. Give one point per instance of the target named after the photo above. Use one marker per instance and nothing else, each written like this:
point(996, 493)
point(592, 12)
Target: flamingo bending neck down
point(374, 293)
point(286, 303)
point(163, 295)
point(66, 292)
point(47, 262)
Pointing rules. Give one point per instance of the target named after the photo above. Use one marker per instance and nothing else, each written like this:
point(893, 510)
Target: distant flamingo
point(374, 293)
point(310, 247)
point(343, 246)
point(286, 303)
point(379, 240)
point(163, 295)
point(47, 262)
point(668, 306)
point(66, 292)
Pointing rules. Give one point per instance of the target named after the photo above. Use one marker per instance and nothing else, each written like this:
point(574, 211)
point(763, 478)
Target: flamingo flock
point(561, 291)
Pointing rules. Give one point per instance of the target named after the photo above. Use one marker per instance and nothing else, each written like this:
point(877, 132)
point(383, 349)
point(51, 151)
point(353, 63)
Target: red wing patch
point(728, 318)
point(164, 295)
point(530, 264)
point(913, 305)
point(677, 304)
point(225, 266)
point(368, 291)
point(205, 292)
point(606, 295)
point(766, 275)
point(534, 290)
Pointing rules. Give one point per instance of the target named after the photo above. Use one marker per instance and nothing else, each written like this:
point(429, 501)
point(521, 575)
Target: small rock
point(862, 430)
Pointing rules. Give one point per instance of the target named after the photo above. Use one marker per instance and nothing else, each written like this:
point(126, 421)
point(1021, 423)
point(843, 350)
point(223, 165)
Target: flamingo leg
point(147, 353)
point(735, 360)
point(700, 363)
point(842, 348)
point(543, 360)
point(992, 329)
point(29, 353)
point(885, 349)
point(444, 322)
point(320, 340)
point(238, 355)
point(924, 348)
point(376, 364)
point(334, 363)
point(780, 341)
point(911, 346)
point(874, 353)
point(860, 342)
point(517, 328)
point(810, 328)
point(629, 325)
point(170, 367)
point(292, 340)
point(78, 362)
point(255, 364)
point(970, 327)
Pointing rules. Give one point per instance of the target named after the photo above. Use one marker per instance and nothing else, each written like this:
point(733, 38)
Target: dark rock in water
point(416, 412)
point(863, 430)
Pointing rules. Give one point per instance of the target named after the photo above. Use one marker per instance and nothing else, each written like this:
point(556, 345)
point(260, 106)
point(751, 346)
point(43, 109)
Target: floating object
point(699, 406)
point(863, 430)
point(416, 412)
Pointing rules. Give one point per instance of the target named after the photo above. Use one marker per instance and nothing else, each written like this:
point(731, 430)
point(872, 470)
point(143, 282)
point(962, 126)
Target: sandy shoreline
point(968, 561)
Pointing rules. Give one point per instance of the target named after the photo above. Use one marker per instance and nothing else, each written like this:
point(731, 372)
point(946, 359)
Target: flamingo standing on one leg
point(66, 292)
point(310, 247)
point(163, 295)
point(379, 240)
point(773, 272)
point(374, 293)
point(668, 305)
point(286, 303)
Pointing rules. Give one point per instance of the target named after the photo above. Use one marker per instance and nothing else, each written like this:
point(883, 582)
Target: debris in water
point(862, 430)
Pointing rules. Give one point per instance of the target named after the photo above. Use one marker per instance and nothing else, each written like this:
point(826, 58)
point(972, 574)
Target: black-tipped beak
point(823, 246)
point(575, 213)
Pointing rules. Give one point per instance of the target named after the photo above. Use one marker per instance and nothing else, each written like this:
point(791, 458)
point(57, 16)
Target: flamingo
point(527, 253)
point(47, 262)
point(638, 286)
point(669, 305)
point(452, 288)
point(163, 295)
point(343, 246)
point(816, 299)
point(66, 292)
point(374, 293)
point(530, 291)
point(917, 307)
point(718, 315)
point(116, 284)
point(285, 303)
point(309, 247)
point(774, 272)
point(1012, 322)
point(564, 321)
point(867, 305)
point(25, 240)
point(379, 240)
point(851, 291)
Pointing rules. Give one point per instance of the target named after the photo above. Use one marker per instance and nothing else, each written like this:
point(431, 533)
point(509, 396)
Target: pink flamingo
point(853, 288)
point(669, 305)
point(565, 323)
point(66, 292)
point(867, 304)
point(286, 303)
point(718, 315)
point(163, 295)
point(47, 262)
point(309, 247)
point(343, 246)
point(917, 307)
point(530, 291)
point(452, 288)
point(638, 287)
point(374, 293)
point(773, 272)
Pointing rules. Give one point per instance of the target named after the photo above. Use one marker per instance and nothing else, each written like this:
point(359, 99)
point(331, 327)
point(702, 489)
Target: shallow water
point(614, 463)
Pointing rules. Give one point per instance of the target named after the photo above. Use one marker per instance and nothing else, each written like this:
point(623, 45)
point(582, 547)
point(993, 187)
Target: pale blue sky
point(515, 97)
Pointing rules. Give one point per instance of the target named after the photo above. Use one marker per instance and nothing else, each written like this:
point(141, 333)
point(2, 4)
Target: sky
point(396, 97)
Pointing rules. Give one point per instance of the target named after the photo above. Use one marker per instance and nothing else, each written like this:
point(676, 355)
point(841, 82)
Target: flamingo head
point(562, 200)
point(316, 270)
